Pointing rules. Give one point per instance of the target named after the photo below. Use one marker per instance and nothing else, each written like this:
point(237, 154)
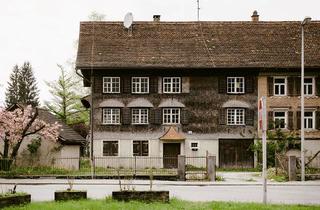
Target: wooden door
point(170, 155)
point(234, 153)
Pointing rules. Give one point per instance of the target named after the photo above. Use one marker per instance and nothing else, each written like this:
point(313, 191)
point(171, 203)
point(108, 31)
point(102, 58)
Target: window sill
point(110, 124)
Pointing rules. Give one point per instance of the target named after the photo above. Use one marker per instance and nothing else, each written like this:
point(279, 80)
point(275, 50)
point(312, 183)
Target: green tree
point(28, 91)
point(12, 90)
point(66, 104)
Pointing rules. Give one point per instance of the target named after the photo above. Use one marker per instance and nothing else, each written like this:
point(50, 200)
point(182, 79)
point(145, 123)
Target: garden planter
point(70, 195)
point(146, 196)
point(14, 199)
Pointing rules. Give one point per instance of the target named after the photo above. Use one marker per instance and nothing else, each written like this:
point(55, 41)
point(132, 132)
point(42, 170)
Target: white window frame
point(236, 114)
point(108, 86)
point(234, 81)
point(313, 117)
point(171, 84)
point(194, 148)
point(140, 116)
point(285, 86)
point(109, 155)
point(113, 113)
point(285, 118)
point(136, 86)
point(308, 84)
point(170, 116)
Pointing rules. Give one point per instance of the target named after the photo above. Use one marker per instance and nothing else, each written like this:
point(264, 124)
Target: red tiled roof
point(172, 134)
point(198, 45)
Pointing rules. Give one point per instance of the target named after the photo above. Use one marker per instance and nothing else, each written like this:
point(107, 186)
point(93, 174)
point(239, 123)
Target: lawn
point(174, 204)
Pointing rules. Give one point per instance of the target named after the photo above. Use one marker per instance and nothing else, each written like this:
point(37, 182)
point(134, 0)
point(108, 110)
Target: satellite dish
point(128, 19)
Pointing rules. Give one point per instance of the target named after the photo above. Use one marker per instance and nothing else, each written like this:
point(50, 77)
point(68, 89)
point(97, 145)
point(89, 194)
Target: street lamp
point(305, 21)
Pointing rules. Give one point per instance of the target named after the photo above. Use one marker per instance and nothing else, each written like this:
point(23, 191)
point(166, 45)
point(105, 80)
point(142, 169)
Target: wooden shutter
point(222, 84)
point(298, 120)
point(297, 85)
point(222, 116)
point(185, 85)
point(156, 116)
point(249, 117)
point(318, 120)
point(153, 84)
point(290, 120)
point(184, 116)
point(97, 84)
point(290, 86)
point(270, 120)
point(317, 86)
point(126, 84)
point(249, 84)
point(126, 116)
point(270, 86)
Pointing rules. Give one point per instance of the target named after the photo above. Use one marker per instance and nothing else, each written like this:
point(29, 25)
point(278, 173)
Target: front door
point(170, 155)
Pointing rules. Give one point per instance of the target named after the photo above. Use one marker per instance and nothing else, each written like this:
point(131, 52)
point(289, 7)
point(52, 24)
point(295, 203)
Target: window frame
point(141, 154)
point(139, 85)
point(285, 118)
point(285, 86)
point(312, 84)
point(313, 117)
point(118, 148)
point(112, 109)
point(234, 91)
point(139, 116)
point(171, 85)
point(171, 116)
point(105, 85)
point(235, 122)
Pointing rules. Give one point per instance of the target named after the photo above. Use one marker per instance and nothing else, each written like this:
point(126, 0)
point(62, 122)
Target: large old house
point(161, 89)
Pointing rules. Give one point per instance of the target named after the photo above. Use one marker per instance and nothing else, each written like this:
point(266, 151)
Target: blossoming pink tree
point(16, 125)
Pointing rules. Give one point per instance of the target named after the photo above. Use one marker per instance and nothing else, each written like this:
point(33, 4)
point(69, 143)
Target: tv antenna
point(127, 23)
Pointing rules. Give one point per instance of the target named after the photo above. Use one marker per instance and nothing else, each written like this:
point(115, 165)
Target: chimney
point(255, 16)
point(156, 18)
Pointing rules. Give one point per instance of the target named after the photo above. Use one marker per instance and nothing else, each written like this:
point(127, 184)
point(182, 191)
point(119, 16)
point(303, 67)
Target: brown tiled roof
point(198, 45)
point(172, 134)
point(67, 135)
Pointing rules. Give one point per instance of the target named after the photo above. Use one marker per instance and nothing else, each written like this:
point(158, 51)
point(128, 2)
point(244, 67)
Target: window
point(140, 84)
point(194, 146)
point(280, 88)
point(171, 116)
point(111, 84)
point(235, 84)
point(140, 148)
point(139, 116)
point(110, 148)
point(280, 119)
point(235, 116)
point(171, 84)
point(308, 86)
point(111, 116)
point(309, 120)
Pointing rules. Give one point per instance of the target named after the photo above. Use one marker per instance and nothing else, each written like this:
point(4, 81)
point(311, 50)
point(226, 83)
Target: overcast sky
point(44, 32)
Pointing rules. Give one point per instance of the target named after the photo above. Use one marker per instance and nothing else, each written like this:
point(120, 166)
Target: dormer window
point(111, 84)
point(171, 85)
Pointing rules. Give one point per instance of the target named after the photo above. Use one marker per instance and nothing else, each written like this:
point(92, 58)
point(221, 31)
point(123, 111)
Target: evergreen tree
point(12, 93)
point(66, 102)
point(28, 92)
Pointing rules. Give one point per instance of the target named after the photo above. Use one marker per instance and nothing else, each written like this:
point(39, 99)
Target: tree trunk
point(6, 147)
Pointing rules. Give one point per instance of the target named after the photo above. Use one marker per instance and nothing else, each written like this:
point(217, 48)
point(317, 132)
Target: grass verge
point(174, 204)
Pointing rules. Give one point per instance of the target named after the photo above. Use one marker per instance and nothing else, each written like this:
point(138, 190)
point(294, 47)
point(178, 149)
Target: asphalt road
point(283, 193)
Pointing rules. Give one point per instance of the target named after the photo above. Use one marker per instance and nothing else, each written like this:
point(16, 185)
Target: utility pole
point(198, 10)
